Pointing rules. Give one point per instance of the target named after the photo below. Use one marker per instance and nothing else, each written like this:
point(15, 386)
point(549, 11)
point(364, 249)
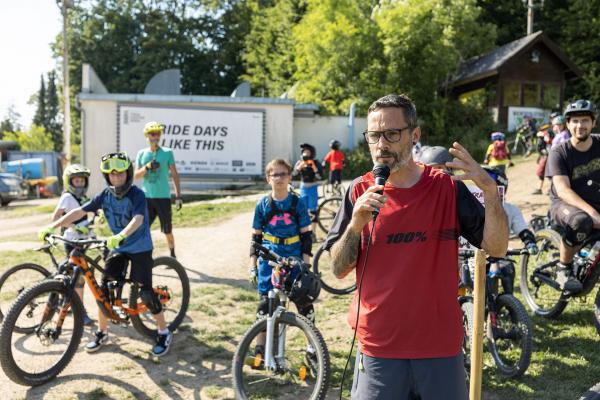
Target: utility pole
point(65, 4)
point(529, 17)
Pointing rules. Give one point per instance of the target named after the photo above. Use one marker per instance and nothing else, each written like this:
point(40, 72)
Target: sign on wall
point(517, 115)
point(204, 141)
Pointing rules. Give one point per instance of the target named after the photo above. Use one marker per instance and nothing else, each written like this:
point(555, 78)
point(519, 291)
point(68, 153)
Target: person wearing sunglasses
point(154, 165)
point(125, 210)
point(405, 314)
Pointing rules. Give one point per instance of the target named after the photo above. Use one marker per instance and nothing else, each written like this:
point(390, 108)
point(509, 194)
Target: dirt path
point(215, 254)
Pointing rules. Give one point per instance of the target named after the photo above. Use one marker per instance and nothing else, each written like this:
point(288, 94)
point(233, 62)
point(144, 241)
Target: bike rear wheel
point(323, 268)
point(543, 299)
point(295, 376)
point(327, 211)
point(13, 282)
point(171, 283)
point(511, 342)
point(35, 358)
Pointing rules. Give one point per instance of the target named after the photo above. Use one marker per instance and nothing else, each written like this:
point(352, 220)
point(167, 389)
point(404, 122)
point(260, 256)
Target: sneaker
point(537, 191)
point(163, 342)
point(258, 361)
point(566, 281)
point(87, 320)
point(310, 359)
point(100, 339)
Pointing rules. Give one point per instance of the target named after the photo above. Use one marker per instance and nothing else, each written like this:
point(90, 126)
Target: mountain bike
point(19, 277)
point(523, 142)
point(55, 312)
point(509, 332)
point(327, 211)
point(285, 369)
point(322, 265)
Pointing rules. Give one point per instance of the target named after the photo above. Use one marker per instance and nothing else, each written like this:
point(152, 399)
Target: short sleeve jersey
point(409, 306)
point(579, 167)
point(493, 162)
point(335, 158)
point(156, 183)
point(68, 203)
point(118, 214)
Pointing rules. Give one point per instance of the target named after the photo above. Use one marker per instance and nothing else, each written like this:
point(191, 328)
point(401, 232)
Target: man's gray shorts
point(431, 378)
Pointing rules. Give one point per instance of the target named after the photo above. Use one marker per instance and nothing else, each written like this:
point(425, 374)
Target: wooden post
point(478, 316)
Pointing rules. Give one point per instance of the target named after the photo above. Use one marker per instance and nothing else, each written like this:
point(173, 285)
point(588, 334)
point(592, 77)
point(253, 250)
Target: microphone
point(381, 173)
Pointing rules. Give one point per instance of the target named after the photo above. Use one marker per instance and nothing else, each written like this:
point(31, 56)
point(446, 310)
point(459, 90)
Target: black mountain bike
point(509, 332)
point(323, 267)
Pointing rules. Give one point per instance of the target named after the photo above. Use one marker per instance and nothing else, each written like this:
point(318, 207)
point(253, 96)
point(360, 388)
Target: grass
point(25, 211)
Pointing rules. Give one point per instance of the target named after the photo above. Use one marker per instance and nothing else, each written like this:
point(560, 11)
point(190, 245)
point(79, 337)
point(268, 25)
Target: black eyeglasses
point(279, 175)
point(391, 135)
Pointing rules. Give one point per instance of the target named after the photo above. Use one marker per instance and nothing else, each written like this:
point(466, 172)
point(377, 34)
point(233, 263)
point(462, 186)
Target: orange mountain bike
point(55, 312)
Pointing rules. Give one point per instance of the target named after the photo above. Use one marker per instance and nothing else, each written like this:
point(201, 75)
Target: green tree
point(339, 57)
point(39, 117)
point(52, 124)
point(36, 139)
point(269, 56)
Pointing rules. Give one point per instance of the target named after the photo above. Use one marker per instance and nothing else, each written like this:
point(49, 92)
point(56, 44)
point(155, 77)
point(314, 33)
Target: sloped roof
point(488, 64)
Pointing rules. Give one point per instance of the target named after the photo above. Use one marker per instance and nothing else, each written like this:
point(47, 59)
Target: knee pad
point(578, 229)
point(262, 310)
point(150, 300)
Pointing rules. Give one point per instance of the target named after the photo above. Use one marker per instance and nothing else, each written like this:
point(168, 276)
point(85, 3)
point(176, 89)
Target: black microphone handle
point(378, 181)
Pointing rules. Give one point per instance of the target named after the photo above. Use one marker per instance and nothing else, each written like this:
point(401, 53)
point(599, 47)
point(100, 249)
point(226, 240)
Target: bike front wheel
point(172, 285)
point(511, 340)
point(35, 358)
point(322, 266)
point(302, 365)
point(537, 272)
point(13, 282)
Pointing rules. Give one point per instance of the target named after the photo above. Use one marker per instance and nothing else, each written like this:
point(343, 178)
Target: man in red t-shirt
point(335, 158)
point(410, 325)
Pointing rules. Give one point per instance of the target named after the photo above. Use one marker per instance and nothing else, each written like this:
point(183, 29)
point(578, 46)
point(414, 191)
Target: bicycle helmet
point(581, 107)
point(497, 136)
point(309, 147)
point(74, 171)
point(559, 120)
point(435, 155)
point(334, 145)
point(306, 287)
point(119, 162)
point(497, 175)
point(152, 126)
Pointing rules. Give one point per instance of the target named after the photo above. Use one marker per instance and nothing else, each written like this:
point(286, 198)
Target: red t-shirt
point(335, 158)
point(409, 306)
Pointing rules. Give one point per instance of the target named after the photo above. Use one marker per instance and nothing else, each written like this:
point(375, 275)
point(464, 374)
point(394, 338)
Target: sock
point(163, 331)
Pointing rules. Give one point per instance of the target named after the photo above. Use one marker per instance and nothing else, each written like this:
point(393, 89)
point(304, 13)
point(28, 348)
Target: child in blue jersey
point(124, 207)
point(282, 224)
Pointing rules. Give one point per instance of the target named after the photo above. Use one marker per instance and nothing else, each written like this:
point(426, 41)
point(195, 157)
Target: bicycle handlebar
point(509, 252)
point(78, 242)
point(269, 254)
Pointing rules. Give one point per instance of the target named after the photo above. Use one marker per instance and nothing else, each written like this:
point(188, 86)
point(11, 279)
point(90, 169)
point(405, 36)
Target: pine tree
point(40, 114)
point(51, 123)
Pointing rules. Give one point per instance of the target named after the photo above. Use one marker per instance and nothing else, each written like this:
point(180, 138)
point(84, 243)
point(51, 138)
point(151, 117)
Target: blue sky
point(27, 29)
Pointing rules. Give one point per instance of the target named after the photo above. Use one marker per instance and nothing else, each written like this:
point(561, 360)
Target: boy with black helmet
point(335, 158)
point(310, 173)
point(124, 207)
point(75, 184)
point(575, 204)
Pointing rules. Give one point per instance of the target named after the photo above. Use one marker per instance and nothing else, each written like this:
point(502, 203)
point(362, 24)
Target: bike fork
point(269, 359)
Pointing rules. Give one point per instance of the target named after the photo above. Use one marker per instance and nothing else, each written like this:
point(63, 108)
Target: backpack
point(499, 151)
point(275, 211)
